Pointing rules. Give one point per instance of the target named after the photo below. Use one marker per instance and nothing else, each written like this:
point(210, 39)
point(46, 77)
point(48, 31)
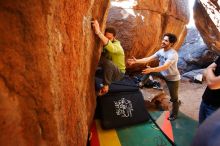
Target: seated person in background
point(211, 96)
point(166, 70)
point(112, 61)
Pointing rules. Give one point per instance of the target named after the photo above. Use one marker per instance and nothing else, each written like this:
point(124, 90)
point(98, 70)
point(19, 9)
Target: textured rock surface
point(194, 53)
point(48, 58)
point(157, 99)
point(207, 20)
point(191, 74)
point(142, 23)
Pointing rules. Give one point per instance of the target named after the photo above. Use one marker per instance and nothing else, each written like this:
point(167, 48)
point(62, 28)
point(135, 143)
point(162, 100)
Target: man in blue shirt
point(167, 69)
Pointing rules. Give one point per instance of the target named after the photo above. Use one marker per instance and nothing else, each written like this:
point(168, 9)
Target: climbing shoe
point(172, 117)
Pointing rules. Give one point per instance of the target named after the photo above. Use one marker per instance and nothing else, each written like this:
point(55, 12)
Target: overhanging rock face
point(207, 20)
point(48, 58)
point(142, 23)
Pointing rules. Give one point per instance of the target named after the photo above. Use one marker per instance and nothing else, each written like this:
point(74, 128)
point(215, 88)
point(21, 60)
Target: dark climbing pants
point(173, 87)
point(110, 72)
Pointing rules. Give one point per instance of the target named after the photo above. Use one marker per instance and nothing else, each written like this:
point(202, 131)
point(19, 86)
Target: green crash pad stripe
point(184, 128)
point(146, 134)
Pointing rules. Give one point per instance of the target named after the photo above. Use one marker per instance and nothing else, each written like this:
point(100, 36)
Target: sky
point(191, 21)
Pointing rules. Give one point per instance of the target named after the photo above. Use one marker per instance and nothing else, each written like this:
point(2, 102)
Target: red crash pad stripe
point(167, 127)
point(94, 139)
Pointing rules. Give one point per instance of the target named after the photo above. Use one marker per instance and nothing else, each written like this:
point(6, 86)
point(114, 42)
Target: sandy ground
point(191, 94)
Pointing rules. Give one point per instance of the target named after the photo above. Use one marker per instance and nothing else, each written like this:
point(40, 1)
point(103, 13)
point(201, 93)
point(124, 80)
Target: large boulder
point(194, 53)
point(141, 24)
point(206, 16)
point(48, 58)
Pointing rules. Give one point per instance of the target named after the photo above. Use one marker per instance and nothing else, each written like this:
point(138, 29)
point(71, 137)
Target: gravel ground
point(191, 94)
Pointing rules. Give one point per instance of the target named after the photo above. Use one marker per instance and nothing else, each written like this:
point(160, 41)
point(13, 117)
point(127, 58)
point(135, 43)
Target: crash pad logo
point(123, 108)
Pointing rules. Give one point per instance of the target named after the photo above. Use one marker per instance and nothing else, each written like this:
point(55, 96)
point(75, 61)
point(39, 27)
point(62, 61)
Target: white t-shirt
point(172, 73)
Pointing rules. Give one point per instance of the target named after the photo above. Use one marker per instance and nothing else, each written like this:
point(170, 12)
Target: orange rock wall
point(141, 26)
point(48, 58)
point(208, 26)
